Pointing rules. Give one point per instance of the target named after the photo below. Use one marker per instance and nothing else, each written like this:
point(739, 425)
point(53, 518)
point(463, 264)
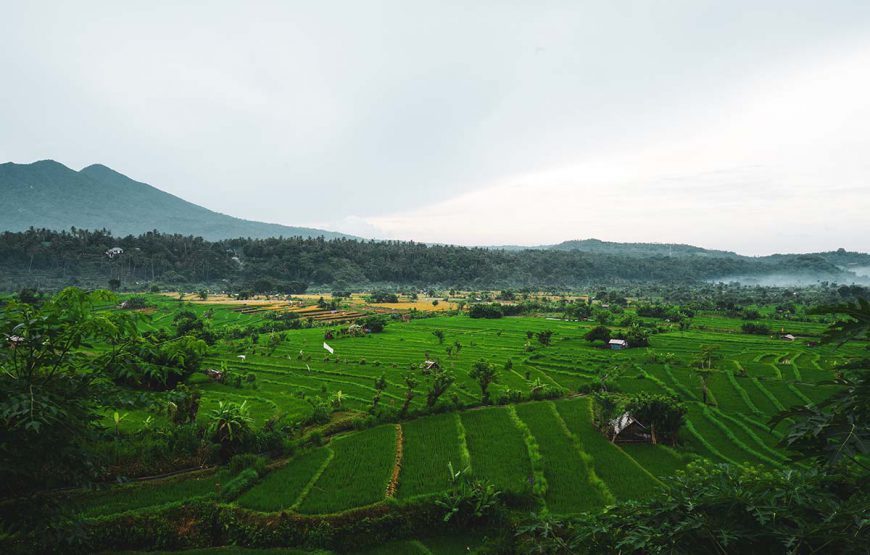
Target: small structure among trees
point(646, 417)
point(429, 366)
point(618, 344)
point(627, 429)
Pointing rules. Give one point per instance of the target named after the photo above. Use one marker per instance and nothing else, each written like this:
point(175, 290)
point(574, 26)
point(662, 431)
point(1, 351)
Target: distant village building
point(618, 344)
point(15, 340)
point(430, 366)
point(114, 251)
point(626, 428)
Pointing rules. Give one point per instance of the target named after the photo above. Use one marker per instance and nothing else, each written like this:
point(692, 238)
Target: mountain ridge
point(47, 194)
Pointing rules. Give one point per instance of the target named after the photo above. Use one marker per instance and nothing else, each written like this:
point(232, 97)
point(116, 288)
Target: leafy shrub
point(230, 426)
point(755, 328)
point(375, 324)
point(723, 509)
point(469, 499)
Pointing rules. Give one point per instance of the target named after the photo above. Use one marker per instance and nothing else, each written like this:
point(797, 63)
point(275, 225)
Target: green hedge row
point(207, 523)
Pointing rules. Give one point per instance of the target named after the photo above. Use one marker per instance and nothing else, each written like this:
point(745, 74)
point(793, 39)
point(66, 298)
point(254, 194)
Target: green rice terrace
point(379, 422)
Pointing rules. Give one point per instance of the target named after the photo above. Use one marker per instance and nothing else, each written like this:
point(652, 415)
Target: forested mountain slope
point(49, 195)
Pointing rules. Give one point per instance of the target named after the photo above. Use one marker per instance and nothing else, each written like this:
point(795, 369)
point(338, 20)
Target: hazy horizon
point(739, 127)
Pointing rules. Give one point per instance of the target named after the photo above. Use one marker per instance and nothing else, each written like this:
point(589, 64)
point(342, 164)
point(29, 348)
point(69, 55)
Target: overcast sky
point(740, 125)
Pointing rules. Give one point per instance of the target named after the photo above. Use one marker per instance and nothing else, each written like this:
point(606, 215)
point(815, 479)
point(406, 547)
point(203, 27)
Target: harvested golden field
point(424, 305)
point(229, 300)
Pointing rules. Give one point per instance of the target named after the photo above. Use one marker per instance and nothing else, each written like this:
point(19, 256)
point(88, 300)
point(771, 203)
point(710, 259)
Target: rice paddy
point(550, 450)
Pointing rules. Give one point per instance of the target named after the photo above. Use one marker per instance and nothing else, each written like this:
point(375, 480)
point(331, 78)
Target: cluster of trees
point(636, 336)
point(291, 264)
point(754, 328)
point(49, 387)
point(672, 313)
point(663, 415)
point(149, 362)
point(383, 297)
point(486, 310)
point(60, 360)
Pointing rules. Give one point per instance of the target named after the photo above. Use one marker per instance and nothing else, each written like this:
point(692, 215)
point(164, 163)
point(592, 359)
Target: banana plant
point(118, 418)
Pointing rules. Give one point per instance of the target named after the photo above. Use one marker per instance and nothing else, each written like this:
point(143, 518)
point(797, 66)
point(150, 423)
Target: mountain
point(49, 195)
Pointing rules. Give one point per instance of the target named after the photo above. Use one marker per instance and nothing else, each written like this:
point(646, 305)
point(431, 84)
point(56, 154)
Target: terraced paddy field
point(547, 449)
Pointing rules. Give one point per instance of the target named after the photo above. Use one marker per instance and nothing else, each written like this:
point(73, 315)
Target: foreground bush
point(721, 509)
point(206, 523)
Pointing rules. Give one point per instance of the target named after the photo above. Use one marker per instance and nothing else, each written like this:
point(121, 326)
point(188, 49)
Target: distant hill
point(624, 249)
point(49, 195)
point(842, 259)
point(637, 249)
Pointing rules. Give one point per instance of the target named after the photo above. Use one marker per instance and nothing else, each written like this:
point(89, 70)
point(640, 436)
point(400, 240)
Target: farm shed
point(617, 344)
point(788, 337)
point(430, 366)
point(626, 428)
point(14, 340)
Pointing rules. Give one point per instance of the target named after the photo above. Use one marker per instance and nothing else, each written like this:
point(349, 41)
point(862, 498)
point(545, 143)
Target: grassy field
point(571, 483)
point(497, 450)
point(282, 488)
point(431, 443)
point(358, 473)
point(551, 448)
point(149, 494)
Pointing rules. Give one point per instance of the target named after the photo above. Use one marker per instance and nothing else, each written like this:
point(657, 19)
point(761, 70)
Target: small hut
point(626, 428)
point(618, 344)
point(14, 341)
point(429, 366)
point(216, 375)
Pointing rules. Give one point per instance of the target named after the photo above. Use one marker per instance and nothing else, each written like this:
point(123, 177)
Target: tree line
point(56, 259)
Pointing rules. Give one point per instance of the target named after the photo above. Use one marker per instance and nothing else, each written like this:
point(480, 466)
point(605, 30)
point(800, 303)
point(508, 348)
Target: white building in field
point(618, 344)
